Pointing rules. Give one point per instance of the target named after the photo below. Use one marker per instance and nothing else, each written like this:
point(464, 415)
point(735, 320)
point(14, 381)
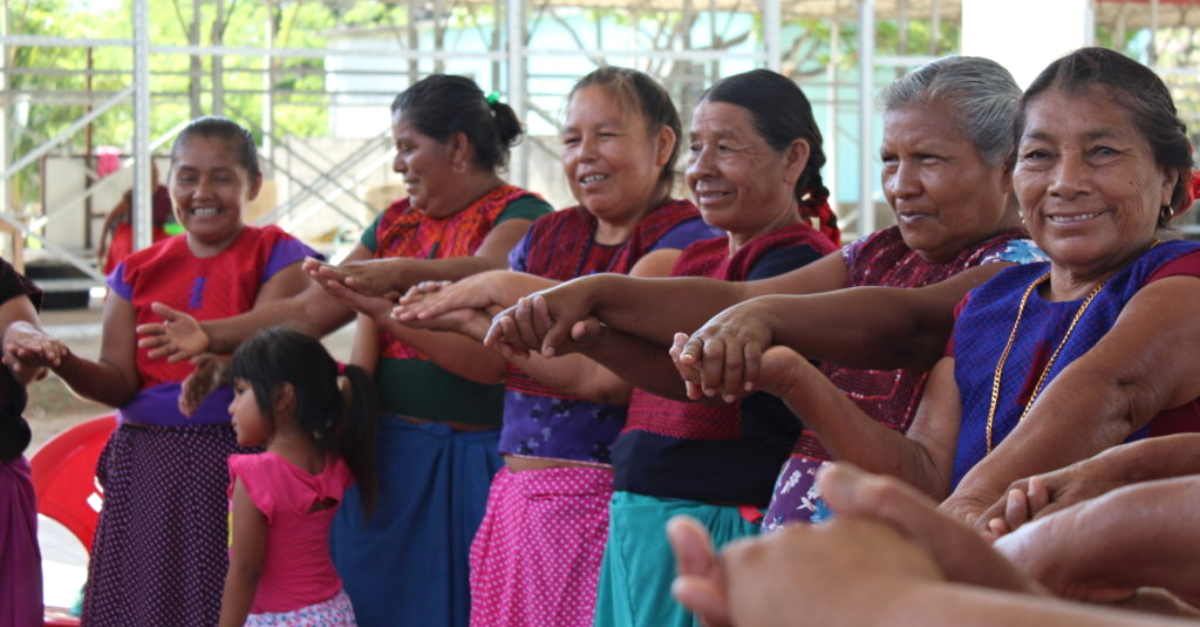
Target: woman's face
point(210, 188)
point(945, 197)
point(426, 165)
point(611, 157)
point(741, 184)
point(1089, 187)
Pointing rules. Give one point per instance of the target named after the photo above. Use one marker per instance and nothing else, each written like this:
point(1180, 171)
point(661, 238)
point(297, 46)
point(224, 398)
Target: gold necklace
point(1012, 336)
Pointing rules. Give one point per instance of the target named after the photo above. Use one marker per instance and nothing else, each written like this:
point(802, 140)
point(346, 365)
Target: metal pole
point(866, 67)
point(772, 34)
point(518, 97)
point(142, 214)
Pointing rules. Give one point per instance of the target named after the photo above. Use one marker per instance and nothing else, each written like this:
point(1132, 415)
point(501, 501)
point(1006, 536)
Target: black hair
point(1136, 88)
point(277, 356)
point(782, 114)
point(637, 91)
point(211, 126)
point(441, 105)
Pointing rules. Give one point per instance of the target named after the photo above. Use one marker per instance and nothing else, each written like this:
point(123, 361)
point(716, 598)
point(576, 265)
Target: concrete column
point(1025, 35)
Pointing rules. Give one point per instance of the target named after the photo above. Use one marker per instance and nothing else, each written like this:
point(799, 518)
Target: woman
point(619, 150)
point(948, 184)
point(160, 552)
point(754, 169)
point(409, 565)
point(20, 559)
point(1101, 167)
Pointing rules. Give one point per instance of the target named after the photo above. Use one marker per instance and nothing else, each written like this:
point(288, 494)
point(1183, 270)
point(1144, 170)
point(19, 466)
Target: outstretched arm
point(1129, 380)
point(634, 304)
point(381, 277)
point(113, 379)
point(906, 563)
point(1163, 457)
point(1103, 549)
point(863, 327)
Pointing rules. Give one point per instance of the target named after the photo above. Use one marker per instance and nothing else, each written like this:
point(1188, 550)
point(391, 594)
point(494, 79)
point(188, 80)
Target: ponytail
point(358, 436)
point(814, 205)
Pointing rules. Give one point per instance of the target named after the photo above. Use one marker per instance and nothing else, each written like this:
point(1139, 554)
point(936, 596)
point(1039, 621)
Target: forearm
point(935, 604)
point(241, 585)
point(635, 305)
point(313, 312)
point(638, 362)
point(865, 327)
point(1062, 428)
point(577, 376)
point(410, 271)
point(97, 380)
point(1139, 536)
point(850, 435)
point(1162, 457)
point(457, 353)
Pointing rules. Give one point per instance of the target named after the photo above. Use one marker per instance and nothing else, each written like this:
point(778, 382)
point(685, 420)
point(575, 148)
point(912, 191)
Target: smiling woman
point(150, 563)
point(1051, 362)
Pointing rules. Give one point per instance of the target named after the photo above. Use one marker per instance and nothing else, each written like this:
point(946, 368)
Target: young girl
point(160, 552)
point(286, 397)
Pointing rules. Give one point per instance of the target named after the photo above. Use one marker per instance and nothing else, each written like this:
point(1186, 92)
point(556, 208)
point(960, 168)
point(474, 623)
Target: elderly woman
point(949, 185)
point(1049, 363)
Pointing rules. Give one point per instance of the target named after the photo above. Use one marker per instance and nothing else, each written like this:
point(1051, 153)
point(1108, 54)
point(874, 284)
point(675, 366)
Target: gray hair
point(980, 92)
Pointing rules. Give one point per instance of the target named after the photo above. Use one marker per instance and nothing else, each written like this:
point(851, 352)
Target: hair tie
point(493, 98)
point(341, 369)
point(1193, 190)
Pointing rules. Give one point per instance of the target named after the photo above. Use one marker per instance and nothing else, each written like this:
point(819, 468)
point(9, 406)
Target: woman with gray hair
point(947, 137)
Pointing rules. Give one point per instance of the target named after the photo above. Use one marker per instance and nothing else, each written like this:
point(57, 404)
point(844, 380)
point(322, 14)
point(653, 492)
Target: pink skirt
point(20, 560)
point(535, 561)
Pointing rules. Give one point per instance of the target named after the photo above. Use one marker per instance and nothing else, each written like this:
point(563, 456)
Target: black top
point(14, 432)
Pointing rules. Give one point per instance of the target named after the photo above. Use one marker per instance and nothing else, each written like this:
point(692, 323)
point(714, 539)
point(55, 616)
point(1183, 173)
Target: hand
point(434, 299)
point(178, 337)
point(724, 355)
point(834, 573)
point(370, 277)
point(550, 323)
point(1042, 549)
point(960, 553)
point(29, 351)
point(1031, 498)
point(699, 576)
point(373, 307)
point(211, 373)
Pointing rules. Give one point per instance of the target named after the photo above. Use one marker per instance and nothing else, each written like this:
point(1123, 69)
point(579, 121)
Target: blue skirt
point(639, 567)
point(407, 565)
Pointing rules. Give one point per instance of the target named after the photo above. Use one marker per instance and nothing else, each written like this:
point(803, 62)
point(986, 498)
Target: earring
point(1166, 213)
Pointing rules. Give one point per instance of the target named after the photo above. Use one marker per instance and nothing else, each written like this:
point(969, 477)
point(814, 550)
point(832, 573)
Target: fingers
point(959, 551)
point(694, 552)
point(1039, 495)
point(699, 582)
point(1016, 512)
point(685, 364)
point(164, 312)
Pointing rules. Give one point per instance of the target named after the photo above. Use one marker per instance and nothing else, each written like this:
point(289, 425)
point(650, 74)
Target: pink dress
point(298, 573)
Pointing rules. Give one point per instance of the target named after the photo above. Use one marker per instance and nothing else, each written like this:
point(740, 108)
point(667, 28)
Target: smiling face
point(251, 426)
point(945, 197)
point(426, 165)
point(741, 184)
point(210, 188)
point(612, 160)
point(1089, 187)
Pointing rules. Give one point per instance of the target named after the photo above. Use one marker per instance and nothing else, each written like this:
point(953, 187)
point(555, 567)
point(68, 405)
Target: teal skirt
point(639, 567)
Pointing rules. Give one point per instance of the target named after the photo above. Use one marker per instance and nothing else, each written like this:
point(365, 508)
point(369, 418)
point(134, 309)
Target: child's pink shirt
point(297, 570)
